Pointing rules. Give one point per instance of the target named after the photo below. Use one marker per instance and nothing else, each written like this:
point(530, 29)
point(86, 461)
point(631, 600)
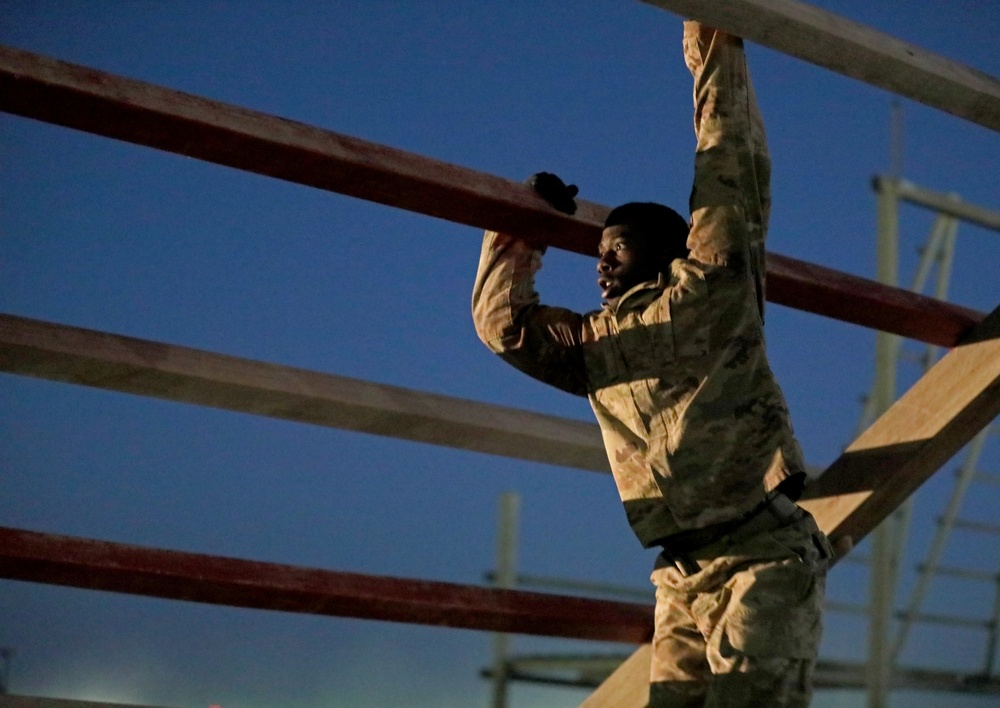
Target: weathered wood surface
point(80, 356)
point(855, 50)
point(918, 434)
point(628, 686)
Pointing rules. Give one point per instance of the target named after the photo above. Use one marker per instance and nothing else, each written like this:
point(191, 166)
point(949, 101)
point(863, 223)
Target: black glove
point(553, 190)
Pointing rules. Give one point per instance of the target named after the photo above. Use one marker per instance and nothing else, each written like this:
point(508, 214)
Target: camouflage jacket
point(696, 428)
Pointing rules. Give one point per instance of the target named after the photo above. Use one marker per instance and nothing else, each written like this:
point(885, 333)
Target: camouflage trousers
point(745, 629)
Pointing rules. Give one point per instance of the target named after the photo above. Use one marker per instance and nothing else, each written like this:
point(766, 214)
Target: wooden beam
point(855, 50)
point(116, 363)
point(77, 97)
point(918, 434)
point(824, 291)
point(925, 428)
point(101, 565)
point(628, 686)
point(113, 106)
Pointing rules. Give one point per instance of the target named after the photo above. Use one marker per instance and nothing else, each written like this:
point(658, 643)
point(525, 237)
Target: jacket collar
point(633, 298)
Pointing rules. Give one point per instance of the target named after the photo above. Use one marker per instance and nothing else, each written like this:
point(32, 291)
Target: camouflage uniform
point(696, 428)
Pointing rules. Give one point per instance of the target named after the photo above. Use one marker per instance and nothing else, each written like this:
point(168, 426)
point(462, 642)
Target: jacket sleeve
point(543, 342)
point(730, 198)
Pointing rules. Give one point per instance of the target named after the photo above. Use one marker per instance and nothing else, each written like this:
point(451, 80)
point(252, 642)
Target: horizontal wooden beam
point(831, 293)
point(918, 434)
point(113, 106)
point(97, 102)
point(102, 565)
point(80, 356)
point(855, 50)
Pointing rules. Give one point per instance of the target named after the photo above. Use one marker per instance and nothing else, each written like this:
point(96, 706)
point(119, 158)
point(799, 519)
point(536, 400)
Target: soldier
point(696, 428)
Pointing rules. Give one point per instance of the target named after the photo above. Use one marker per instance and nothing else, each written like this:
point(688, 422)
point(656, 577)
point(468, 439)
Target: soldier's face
point(625, 259)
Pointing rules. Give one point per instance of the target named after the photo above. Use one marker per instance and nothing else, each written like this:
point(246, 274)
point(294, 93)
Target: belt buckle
point(684, 563)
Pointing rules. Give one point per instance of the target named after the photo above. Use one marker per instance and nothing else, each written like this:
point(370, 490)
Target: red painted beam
point(116, 567)
point(832, 293)
point(77, 97)
point(105, 104)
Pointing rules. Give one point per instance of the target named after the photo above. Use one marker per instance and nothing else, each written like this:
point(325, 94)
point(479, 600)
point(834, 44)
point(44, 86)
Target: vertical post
point(992, 631)
point(945, 257)
point(937, 251)
point(506, 577)
point(933, 559)
point(896, 141)
point(881, 585)
point(6, 654)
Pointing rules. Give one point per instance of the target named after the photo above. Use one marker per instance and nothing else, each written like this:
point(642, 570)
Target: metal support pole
point(939, 248)
point(6, 654)
point(890, 539)
point(949, 204)
point(945, 257)
point(993, 632)
point(506, 577)
point(883, 394)
point(933, 560)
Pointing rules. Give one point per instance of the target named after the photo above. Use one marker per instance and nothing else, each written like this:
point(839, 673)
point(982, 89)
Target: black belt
point(687, 549)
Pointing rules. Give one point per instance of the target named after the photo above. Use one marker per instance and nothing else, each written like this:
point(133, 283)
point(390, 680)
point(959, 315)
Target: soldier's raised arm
point(543, 342)
point(730, 198)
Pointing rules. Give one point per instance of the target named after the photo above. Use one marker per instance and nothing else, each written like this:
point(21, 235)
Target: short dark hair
point(654, 221)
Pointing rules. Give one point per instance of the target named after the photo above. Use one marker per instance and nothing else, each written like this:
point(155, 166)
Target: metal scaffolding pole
point(889, 541)
point(506, 577)
point(933, 560)
point(883, 394)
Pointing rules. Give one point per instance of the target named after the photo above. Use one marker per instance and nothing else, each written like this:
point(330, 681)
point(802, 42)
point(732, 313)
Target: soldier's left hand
point(553, 190)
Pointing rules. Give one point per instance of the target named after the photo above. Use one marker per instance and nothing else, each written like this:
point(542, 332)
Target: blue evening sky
point(106, 235)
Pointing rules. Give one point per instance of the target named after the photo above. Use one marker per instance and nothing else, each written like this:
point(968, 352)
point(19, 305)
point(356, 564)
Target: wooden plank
point(80, 356)
point(854, 50)
point(824, 291)
point(77, 97)
point(105, 104)
point(628, 686)
point(920, 432)
point(101, 565)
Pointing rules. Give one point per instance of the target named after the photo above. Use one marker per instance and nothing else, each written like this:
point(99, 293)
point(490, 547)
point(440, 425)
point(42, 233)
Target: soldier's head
point(639, 241)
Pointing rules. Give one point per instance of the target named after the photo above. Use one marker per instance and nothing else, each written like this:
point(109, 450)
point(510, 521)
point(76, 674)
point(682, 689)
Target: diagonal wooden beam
point(116, 567)
point(918, 434)
point(925, 428)
point(97, 102)
point(627, 686)
point(129, 365)
point(855, 50)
